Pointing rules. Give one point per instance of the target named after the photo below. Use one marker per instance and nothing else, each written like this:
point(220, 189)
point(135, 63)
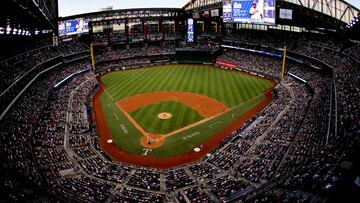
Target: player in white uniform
point(255, 11)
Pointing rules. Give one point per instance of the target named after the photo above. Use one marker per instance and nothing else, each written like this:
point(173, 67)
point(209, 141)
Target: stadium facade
point(301, 145)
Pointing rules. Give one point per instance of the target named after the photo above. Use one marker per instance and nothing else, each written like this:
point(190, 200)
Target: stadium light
point(8, 30)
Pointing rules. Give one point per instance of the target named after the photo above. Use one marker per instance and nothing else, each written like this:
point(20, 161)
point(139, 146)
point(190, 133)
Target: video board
point(72, 27)
point(249, 11)
point(190, 30)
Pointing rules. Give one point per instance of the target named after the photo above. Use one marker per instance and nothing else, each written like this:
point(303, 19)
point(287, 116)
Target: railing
point(22, 76)
point(24, 89)
point(24, 53)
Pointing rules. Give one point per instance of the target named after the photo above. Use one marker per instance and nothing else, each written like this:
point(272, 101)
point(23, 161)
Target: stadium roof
point(337, 9)
point(128, 13)
point(71, 7)
point(21, 14)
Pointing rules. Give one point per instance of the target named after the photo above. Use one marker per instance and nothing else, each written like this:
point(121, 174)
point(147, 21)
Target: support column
point(145, 31)
point(176, 29)
point(161, 30)
point(91, 32)
point(218, 26)
point(108, 31)
point(127, 34)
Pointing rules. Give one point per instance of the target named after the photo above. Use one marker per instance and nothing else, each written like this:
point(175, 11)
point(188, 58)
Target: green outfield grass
point(237, 90)
point(182, 116)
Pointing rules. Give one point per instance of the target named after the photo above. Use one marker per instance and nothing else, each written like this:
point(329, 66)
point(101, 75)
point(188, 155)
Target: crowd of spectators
point(172, 36)
point(193, 194)
point(198, 47)
point(321, 147)
point(11, 69)
point(72, 47)
point(132, 62)
point(254, 62)
point(134, 52)
point(354, 51)
point(136, 37)
point(176, 179)
point(18, 71)
point(117, 38)
point(288, 152)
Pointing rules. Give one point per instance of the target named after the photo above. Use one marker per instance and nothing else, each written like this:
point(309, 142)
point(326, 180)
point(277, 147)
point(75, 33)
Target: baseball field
point(159, 113)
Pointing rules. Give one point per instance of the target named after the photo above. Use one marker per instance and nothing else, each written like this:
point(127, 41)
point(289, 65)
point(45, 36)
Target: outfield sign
point(226, 63)
point(190, 30)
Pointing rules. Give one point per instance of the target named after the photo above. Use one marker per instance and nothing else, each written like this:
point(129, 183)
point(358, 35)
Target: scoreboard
point(249, 11)
point(72, 27)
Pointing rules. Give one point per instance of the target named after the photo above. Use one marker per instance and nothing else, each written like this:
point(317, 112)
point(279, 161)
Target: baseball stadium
point(180, 101)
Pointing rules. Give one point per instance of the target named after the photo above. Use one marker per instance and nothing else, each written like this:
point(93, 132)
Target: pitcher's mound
point(164, 115)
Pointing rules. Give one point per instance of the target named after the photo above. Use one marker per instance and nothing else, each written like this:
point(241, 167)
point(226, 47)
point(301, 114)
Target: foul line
point(194, 124)
point(142, 131)
point(211, 126)
point(117, 118)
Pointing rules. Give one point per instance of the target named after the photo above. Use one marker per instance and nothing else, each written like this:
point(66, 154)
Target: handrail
point(21, 77)
point(132, 57)
point(330, 114)
point(23, 53)
point(75, 53)
point(25, 88)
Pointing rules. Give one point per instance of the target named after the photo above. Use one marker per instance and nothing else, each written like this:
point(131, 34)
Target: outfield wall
point(185, 157)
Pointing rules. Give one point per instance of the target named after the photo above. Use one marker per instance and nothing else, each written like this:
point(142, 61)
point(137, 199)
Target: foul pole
point(92, 56)
point(283, 64)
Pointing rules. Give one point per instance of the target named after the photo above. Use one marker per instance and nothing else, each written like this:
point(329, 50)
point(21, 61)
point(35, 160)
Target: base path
point(117, 154)
point(204, 105)
point(152, 140)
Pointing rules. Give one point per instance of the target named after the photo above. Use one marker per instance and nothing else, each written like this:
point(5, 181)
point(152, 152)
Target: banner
point(226, 63)
point(190, 30)
point(206, 14)
point(215, 12)
point(196, 15)
point(285, 14)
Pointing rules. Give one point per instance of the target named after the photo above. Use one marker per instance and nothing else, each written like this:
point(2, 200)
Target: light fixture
point(8, 30)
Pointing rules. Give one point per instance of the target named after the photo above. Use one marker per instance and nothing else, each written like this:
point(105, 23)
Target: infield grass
point(238, 91)
point(182, 116)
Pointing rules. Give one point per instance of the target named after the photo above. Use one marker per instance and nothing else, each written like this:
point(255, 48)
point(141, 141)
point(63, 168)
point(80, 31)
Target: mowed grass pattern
point(182, 116)
point(231, 88)
point(237, 90)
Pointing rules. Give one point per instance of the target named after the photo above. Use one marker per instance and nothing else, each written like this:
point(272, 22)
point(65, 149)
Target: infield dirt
point(204, 105)
point(117, 154)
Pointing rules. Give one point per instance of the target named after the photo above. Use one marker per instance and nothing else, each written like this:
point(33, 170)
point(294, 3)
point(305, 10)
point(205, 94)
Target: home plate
point(197, 149)
point(109, 141)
